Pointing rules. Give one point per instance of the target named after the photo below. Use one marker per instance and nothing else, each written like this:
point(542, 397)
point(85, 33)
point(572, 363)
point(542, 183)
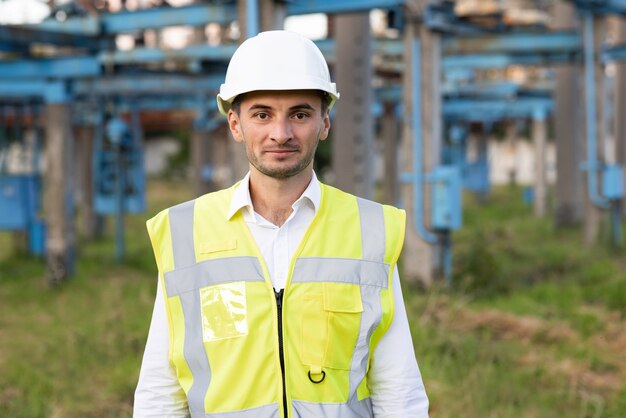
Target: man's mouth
point(281, 151)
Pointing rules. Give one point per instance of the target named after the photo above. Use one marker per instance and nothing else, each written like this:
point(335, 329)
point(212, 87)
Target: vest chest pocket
point(330, 326)
point(224, 311)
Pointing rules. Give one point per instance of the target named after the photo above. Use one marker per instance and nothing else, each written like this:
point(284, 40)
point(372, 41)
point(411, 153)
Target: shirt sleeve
point(158, 392)
point(394, 379)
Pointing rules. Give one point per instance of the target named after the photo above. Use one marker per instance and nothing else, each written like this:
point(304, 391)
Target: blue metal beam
point(299, 7)
point(491, 110)
point(536, 43)
point(151, 18)
point(156, 85)
point(602, 6)
point(84, 25)
point(8, 46)
point(615, 53)
point(25, 36)
point(67, 67)
point(146, 55)
point(441, 17)
point(161, 17)
point(20, 90)
point(487, 61)
point(501, 90)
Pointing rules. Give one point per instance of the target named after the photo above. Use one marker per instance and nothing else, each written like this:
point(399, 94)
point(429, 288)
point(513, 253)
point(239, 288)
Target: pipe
point(418, 170)
point(3, 143)
point(252, 18)
point(592, 164)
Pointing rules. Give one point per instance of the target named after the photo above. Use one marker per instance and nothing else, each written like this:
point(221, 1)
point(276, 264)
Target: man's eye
point(301, 115)
point(261, 116)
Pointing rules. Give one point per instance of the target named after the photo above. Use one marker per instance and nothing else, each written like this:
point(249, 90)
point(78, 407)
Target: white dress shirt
point(395, 383)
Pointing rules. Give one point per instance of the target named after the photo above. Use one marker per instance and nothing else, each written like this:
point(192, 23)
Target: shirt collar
point(241, 199)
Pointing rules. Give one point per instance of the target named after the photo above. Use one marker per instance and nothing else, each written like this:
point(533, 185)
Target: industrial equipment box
point(613, 182)
point(446, 194)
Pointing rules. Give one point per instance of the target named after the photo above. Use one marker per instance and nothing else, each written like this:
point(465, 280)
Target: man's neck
point(273, 198)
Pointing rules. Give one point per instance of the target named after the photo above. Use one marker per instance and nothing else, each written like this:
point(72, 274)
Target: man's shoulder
point(214, 199)
point(338, 194)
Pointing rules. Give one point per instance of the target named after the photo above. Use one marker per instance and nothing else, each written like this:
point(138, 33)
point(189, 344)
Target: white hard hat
point(275, 60)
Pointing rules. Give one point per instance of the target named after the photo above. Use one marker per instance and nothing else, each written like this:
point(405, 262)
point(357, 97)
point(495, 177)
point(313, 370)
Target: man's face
point(281, 130)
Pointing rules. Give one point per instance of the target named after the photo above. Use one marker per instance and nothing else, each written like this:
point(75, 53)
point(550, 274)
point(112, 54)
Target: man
point(279, 297)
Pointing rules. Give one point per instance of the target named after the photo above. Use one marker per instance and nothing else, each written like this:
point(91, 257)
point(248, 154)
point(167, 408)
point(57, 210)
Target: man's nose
point(281, 130)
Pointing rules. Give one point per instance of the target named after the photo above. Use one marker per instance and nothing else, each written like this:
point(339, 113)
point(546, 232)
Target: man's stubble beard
point(284, 172)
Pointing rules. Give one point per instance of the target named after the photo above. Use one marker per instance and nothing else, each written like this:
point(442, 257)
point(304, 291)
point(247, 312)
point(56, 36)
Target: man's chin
point(281, 172)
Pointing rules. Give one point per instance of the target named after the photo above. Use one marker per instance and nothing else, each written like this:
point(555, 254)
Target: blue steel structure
point(20, 192)
point(108, 74)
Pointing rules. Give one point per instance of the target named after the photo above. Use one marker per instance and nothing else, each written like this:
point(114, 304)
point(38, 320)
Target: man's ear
point(326, 127)
point(235, 125)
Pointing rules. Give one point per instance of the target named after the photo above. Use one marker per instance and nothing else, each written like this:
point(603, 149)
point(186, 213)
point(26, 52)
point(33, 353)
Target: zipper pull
point(279, 298)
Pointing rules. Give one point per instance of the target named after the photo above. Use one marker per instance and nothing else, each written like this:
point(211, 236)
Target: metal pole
point(592, 164)
point(418, 158)
point(252, 18)
point(119, 195)
point(539, 140)
point(60, 236)
point(353, 130)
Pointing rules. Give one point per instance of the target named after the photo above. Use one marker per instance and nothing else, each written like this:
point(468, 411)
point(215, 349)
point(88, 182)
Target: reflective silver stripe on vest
point(358, 409)
point(265, 411)
point(372, 230)
point(370, 319)
point(341, 270)
point(181, 229)
point(374, 243)
point(212, 272)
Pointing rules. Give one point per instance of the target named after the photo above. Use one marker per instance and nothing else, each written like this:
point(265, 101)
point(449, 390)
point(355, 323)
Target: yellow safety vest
point(242, 351)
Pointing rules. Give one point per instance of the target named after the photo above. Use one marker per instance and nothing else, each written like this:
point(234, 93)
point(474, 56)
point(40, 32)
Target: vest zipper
point(279, 306)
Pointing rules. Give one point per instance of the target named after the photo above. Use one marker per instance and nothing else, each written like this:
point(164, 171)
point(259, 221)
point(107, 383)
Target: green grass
point(534, 326)
point(75, 350)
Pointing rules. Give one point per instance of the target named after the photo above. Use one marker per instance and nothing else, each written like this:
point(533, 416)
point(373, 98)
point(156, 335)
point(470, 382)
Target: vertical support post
point(20, 238)
point(353, 144)
point(120, 186)
point(620, 103)
point(569, 190)
point(58, 204)
point(85, 145)
point(510, 141)
point(273, 14)
point(248, 18)
point(593, 31)
point(482, 160)
point(252, 18)
point(200, 146)
point(539, 133)
point(223, 171)
point(421, 257)
point(390, 134)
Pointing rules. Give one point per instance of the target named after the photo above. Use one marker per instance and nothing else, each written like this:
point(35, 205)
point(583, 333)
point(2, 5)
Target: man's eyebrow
point(302, 106)
point(260, 107)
